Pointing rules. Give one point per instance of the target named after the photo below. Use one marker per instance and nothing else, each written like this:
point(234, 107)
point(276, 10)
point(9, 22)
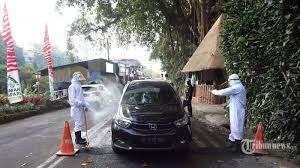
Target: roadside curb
point(18, 116)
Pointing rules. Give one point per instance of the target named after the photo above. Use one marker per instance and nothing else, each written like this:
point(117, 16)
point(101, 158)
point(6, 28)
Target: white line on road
point(56, 162)
point(91, 131)
point(100, 137)
point(47, 161)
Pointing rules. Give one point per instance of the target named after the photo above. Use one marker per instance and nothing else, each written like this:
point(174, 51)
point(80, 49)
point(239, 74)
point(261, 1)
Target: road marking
point(100, 137)
point(92, 131)
point(56, 162)
point(47, 161)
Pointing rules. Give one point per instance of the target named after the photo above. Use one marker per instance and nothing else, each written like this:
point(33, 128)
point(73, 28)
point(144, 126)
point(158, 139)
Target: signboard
point(14, 87)
point(122, 70)
point(109, 67)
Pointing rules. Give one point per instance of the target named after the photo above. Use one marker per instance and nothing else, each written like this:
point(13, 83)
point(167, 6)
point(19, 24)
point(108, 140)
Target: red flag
point(14, 91)
point(47, 54)
point(7, 37)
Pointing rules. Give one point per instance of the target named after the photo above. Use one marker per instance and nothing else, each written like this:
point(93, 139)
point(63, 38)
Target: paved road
point(33, 142)
point(206, 151)
point(30, 142)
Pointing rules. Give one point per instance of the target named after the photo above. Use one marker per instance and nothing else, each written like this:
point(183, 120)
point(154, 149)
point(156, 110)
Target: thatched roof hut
point(208, 55)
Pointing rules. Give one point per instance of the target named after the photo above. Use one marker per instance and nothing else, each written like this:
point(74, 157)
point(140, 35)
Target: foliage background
point(261, 42)
point(169, 28)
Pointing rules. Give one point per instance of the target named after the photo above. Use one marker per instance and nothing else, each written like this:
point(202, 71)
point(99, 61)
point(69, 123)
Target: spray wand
point(86, 130)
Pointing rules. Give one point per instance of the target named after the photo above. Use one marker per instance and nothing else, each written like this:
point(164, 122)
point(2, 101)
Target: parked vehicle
point(94, 95)
point(150, 116)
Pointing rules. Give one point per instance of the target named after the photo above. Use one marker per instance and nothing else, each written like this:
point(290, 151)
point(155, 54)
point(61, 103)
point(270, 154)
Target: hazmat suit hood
point(234, 80)
point(77, 77)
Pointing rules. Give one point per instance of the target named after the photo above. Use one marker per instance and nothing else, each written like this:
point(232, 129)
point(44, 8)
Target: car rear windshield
point(89, 89)
point(149, 93)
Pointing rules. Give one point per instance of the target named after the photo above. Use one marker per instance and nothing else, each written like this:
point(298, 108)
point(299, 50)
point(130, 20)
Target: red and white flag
point(14, 90)
point(47, 54)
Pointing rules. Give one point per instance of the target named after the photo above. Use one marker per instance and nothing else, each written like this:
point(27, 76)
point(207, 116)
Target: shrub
point(36, 100)
point(9, 109)
point(261, 42)
point(3, 100)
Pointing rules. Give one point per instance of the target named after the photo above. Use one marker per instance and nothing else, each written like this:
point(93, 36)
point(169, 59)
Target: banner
point(47, 54)
point(14, 90)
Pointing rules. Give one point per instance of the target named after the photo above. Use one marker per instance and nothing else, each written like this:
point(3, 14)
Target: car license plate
point(153, 140)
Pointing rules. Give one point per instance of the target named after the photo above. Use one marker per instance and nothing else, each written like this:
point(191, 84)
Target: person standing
point(78, 105)
point(237, 106)
point(34, 88)
point(189, 96)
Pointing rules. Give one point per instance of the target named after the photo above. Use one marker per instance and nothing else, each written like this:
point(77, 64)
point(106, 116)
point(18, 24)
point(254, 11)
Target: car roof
point(149, 82)
point(92, 85)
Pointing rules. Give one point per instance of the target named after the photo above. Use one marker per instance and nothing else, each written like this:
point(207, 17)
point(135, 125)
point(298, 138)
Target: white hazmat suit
point(237, 105)
point(77, 101)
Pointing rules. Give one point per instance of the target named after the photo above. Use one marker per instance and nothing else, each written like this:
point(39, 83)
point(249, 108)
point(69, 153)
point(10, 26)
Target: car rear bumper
point(130, 139)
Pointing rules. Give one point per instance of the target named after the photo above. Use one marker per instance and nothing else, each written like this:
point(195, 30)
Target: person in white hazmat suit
point(78, 105)
point(237, 105)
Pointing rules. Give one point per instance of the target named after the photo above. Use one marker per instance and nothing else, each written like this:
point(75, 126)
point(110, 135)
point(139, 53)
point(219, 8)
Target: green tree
point(168, 27)
point(58, 57)
point(149, 73)
point(3, 82)
point(27, 76)
point(19, 53)
point(70, 50)
point(19, 56)
point(2, 51)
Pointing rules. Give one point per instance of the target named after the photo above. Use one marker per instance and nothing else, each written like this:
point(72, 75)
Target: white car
point(95, 95)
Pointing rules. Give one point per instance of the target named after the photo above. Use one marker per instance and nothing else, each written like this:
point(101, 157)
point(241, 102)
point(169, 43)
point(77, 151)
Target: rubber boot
point(229, 145)
point(78, 139)
point(236, 147)
point(82, 139)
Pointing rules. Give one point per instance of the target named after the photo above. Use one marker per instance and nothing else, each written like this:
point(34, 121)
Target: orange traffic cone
point(258, 142)
point(66, 147)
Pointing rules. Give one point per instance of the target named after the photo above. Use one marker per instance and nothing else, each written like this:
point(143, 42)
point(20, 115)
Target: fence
point(201, 94)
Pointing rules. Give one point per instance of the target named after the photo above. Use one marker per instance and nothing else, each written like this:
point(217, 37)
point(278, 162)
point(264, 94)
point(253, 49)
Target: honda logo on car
point(152, 126)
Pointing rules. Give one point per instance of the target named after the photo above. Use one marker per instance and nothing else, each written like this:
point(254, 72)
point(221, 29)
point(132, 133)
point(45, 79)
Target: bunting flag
point(14, 90)
point(47, 54)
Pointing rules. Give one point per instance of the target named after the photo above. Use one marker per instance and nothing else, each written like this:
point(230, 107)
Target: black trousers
point(189, 104)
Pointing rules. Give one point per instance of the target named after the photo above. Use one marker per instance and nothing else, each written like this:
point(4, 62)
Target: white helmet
point(77, 76)
point(233, 79)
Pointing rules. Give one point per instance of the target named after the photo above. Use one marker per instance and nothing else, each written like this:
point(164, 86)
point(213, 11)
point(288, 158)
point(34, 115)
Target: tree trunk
point(199, 18)
point(203, 20)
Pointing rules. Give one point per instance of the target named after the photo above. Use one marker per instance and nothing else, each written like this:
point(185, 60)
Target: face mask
point(231, 83)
